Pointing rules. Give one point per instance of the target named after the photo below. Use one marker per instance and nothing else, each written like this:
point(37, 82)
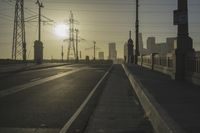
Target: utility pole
point(80, 55)
point(19, 41)
point(77, 31)
point(38, 45)
point(184, 42)
point(137, 33)
point(62, 53)
point(40, 5)
point(94, 49)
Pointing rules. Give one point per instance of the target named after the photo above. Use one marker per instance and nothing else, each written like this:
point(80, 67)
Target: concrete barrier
point(193, 77)
point(160, 120)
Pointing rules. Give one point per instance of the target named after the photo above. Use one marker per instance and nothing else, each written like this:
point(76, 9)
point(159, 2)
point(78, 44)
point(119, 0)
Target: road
point(44, 100)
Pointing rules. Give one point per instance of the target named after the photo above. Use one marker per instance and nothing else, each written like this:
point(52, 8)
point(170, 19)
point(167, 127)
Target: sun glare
point(61, 30)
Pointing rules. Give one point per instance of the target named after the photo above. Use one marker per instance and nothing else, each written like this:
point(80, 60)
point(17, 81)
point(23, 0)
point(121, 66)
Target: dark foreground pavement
point(45, 107)
point(118, 110)
point(181, 100)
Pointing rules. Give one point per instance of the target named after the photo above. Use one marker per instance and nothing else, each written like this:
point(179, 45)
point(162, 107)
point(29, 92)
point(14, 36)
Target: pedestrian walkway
point(181, 100)
point(118, 110)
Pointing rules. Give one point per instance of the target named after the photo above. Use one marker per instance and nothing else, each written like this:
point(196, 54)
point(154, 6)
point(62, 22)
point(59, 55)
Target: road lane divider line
point(66, 127)
point(34, 83)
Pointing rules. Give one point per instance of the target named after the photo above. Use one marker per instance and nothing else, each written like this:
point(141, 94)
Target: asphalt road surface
point(44, 100)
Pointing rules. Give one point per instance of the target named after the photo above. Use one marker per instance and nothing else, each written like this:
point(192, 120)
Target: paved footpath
point(118, 110)
point(181, 100)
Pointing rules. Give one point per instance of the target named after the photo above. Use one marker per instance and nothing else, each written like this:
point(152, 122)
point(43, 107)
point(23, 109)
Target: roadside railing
point(193, 63)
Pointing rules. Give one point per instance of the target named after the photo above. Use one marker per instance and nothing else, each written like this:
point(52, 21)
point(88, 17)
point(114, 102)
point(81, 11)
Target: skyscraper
point(140, 44)
point(112, 51)
point(151, 42)
point(101, 55)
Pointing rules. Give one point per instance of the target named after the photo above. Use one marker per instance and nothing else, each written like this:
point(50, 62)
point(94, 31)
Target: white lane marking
point(34, 83)
point(78, 111)
point(32, 80)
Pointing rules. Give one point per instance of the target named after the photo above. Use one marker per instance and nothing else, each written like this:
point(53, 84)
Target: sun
point(61, 30)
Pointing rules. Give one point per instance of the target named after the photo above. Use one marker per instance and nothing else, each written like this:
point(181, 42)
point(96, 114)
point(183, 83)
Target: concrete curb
point(160, 120)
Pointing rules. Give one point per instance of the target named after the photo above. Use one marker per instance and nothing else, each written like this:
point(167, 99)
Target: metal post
point(39, 24)
point(94, 49)
point(77, 44)
point(137, 33)
point(62, 53)
point(40, 5)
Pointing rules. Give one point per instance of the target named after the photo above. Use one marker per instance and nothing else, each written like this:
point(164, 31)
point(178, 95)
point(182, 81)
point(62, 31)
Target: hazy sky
point(101, 20)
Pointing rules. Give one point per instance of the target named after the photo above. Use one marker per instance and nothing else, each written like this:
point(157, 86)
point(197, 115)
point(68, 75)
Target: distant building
point(151, 42)
point(129, 50)
point(161, 48)
point(171, 44)
point(112, 51)
point(101, 55)
point(141, 47)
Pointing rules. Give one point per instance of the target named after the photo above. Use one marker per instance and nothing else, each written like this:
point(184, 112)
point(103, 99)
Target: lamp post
point(94, 49)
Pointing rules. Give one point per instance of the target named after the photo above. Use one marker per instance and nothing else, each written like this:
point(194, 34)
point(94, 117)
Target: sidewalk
point(181, 100)
point(118, 110)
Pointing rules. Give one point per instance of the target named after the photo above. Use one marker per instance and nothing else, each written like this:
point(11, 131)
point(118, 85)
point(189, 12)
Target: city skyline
point(102, 21)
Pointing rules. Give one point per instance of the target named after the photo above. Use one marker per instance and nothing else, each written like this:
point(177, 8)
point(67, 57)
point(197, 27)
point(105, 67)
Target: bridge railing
point(166, 64)
point(155, 61)
point(193, 63)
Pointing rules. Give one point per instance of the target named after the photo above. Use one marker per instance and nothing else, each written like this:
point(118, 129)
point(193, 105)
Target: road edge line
point(67, 125)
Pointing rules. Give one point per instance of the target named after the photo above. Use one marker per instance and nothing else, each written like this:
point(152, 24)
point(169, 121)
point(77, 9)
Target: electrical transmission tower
point(19, 43)
point(71, 46)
